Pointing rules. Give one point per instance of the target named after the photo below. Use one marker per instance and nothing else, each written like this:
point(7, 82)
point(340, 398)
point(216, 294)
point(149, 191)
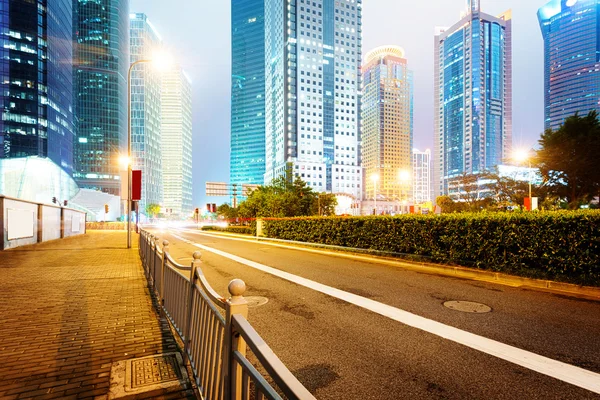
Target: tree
point(152, 210)
point(568, 159)
point(225, 210)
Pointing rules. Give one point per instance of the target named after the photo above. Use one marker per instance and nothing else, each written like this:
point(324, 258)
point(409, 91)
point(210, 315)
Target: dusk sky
point(198, 34)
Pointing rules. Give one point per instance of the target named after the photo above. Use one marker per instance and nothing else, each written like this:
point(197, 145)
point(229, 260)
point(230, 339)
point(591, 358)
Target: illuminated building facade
point(421, 176)
point(101, 60)
point(571, 32)
point(36, 89)
point(387, 124)
point(473, 95)
point(312, 88)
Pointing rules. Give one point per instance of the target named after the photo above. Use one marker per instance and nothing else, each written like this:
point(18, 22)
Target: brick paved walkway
point(68, 309)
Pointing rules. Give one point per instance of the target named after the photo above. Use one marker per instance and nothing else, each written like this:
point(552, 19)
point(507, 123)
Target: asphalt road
point(345, 350)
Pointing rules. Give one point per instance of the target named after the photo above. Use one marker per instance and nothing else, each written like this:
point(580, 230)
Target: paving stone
point(71, 308)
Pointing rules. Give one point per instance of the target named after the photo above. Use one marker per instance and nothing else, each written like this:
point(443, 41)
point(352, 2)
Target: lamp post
point(375, 178)
point(160, 62)
point(404, 177)
point(522, 156)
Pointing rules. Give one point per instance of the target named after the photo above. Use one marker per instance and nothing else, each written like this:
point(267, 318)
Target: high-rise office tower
point(421, 176)
point(387, 116)
point(146, 109)
point(312, 81)
point(176, 128)
point(36, 88)
point(101, 60)
point(571, 32)
point(473, 95)
point(247, 158)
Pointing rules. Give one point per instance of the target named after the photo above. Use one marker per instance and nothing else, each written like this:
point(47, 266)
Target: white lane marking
point(565, 372)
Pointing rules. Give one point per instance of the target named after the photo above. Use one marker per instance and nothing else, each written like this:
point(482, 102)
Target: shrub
point(552, 245)
point(242, 230)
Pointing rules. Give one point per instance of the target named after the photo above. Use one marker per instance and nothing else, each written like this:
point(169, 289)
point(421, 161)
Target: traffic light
point(197, 211)
point(65, 202)
point(54, 200)
point(208, 207)
point(106, 208)
point(213, 208)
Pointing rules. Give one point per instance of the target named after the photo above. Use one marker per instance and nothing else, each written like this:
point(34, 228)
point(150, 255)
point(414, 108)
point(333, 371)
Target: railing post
point(165, 249)
point(190, 305)
point(154, 266)
point(236, 304)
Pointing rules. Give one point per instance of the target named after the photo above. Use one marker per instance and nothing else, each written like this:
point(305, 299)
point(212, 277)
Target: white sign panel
point(20, 224)
point(75, 223)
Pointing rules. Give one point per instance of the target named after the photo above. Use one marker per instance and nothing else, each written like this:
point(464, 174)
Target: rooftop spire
point(473, 6)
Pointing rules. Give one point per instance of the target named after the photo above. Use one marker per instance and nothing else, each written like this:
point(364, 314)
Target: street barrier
point(215, 331)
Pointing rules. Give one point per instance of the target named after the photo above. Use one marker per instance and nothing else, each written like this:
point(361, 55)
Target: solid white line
point(565, 372)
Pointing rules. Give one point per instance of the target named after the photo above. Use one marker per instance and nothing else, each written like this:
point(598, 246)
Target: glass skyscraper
point(146, 147)
point(36, 86)
point(473, 95)
point(571, 32)
point(312, 81)
point(101, 60)
point(387, 128)
point(176, 132)
point(247, 161)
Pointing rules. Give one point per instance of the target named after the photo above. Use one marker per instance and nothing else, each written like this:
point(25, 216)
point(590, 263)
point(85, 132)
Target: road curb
point(569, 289)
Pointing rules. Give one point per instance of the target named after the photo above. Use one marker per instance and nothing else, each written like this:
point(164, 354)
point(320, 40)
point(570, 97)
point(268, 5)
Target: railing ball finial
point(197, 255)
point(165, 243)
point(237, 287)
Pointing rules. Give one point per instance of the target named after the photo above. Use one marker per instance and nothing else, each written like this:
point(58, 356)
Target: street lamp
point(375, 178)
point(160, 62)
point(522, 156)
point(404, 177)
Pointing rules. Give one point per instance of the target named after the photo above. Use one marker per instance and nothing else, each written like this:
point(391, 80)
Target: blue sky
point(198, 34)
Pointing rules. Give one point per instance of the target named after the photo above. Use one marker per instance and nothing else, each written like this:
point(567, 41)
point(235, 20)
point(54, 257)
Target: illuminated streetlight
point(375, 178)
point(161, 62)
point(521, 156)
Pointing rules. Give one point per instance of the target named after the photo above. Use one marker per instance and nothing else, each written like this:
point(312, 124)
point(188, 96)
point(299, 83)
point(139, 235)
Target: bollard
point(236, 304)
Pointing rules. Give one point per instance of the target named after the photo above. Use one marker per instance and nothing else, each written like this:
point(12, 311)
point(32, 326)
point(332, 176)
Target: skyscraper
point(421, 176)
point(36, 88)
point(387, 123)
point(176, 129)
point(247, 161)
point(146, 109)
point(312, 80)
point(473, 95)
point(571, 32)
point(101, 35)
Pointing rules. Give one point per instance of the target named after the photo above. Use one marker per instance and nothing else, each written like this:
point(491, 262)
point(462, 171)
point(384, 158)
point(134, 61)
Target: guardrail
point(215, 331)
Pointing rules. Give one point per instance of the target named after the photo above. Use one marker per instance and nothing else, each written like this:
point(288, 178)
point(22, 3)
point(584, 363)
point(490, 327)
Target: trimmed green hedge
point(242, 230)
point(561, 246)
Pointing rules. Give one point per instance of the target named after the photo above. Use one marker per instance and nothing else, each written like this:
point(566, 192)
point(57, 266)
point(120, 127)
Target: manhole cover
point(256, 301)
point(158, 374)
point(467, 306)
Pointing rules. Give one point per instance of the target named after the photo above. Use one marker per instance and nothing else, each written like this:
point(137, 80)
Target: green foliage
point(568, 159)
point(242, 230)
point(225, 210)
point(552, 245)
point(284, 198)
point(152, 210)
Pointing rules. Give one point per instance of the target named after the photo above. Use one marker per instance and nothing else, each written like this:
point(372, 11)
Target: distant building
point(571, 32)
point(473, 95)
point(101, 60)
point(421, 176)
point(387, 124)
point(146, 140)
point(312, 88)
point(176, 128)
point(247, 157)
point(36, 89)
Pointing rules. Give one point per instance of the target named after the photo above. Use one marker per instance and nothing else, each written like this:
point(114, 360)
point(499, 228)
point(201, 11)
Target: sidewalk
point(69, 309)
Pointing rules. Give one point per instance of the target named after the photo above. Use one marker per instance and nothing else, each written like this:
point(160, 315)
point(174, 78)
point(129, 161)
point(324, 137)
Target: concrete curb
point(390, 258)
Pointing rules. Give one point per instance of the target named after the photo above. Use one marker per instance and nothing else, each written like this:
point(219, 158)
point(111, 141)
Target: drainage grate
point(150, 371)
point(158, 374)
point(468, 307)
point(256, 301)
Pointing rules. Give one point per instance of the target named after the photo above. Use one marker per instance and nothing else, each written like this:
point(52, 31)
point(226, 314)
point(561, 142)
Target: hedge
point(242, 230)
point(563, 246)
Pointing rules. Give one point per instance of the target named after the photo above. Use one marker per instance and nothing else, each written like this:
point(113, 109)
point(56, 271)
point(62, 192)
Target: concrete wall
point(24, 222)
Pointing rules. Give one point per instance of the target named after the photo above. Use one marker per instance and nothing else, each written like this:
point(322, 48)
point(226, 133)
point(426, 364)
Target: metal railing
point(215, 331)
